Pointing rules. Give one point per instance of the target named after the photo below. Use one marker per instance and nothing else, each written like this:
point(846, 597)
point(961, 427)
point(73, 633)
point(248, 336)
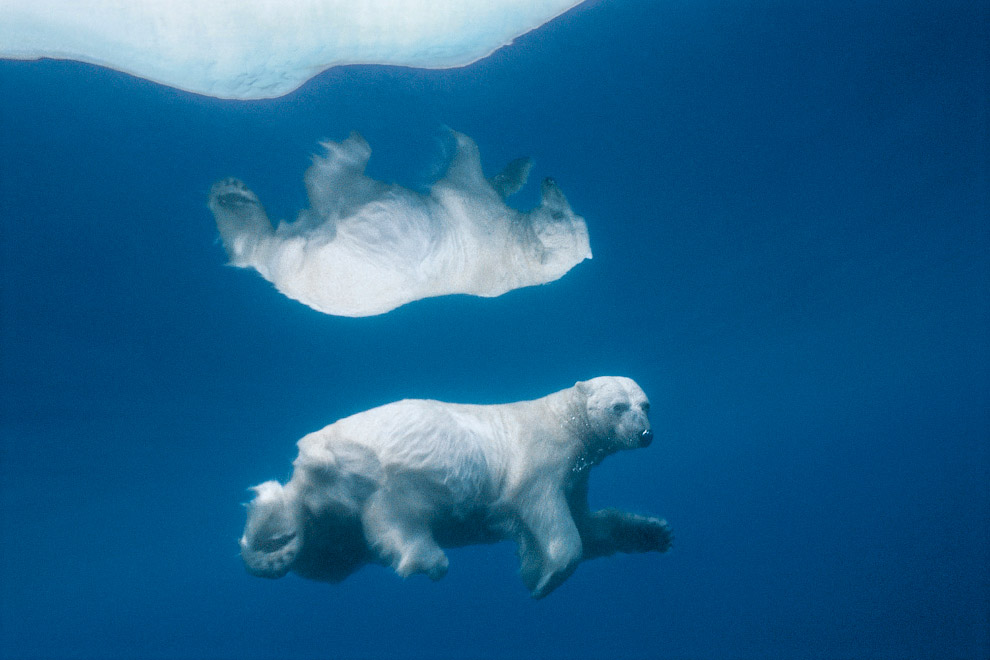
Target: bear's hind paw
point(432, 563)
point(232, 193)
point(271, 557)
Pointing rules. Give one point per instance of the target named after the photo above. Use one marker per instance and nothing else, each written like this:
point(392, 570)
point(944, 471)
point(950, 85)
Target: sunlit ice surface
point(253, 49)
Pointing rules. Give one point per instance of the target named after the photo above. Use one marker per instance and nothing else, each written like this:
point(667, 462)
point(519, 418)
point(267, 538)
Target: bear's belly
point(476, 527)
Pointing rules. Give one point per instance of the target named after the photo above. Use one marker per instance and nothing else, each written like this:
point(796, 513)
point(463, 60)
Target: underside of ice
point(251, 49)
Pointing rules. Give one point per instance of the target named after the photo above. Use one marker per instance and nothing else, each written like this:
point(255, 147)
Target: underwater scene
point(606, 329)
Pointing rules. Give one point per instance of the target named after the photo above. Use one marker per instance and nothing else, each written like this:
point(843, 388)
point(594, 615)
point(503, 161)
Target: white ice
point(365, 247)
point(251, 49)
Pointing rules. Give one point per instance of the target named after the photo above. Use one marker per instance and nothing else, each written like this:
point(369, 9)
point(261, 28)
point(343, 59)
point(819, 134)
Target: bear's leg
point(272, 536)
point(396, 526)
point(608, 531)
point(241, 219)
point(511, 179)
point(530, 561)
point(550, 549)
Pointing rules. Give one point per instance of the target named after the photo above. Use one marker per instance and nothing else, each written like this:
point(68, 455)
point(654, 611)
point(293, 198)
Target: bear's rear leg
point(398, 532)
point(272, 536)
point(241, 220)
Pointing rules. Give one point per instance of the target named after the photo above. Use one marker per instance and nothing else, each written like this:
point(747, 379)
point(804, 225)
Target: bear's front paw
point(657, 534)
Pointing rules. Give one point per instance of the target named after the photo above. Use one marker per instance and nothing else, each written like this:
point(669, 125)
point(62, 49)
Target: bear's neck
point(571, 414)
point(572, 411)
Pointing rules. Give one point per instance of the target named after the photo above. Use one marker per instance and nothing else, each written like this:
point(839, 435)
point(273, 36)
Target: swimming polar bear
point(395, 484)
point(365, 247)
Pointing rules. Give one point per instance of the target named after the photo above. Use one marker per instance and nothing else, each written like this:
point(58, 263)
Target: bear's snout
point(645, 438)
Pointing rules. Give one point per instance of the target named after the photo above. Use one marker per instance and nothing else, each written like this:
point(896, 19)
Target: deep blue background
point(789, 214)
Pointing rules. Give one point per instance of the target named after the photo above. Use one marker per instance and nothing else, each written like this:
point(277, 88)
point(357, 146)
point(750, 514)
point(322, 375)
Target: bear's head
point(617, 413)
point(562, 236)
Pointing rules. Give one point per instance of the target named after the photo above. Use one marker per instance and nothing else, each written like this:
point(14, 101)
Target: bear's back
point(462, 449)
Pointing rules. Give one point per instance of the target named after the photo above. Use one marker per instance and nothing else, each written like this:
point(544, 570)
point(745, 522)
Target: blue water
point(788, 209)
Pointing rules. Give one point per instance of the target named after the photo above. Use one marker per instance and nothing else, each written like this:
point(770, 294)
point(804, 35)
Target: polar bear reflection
point(365, 247)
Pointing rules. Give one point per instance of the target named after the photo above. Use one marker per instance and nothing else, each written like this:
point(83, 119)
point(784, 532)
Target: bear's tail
point(272, 537)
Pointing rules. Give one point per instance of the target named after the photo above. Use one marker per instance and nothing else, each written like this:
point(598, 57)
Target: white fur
point(395, 484)
point(365, 247)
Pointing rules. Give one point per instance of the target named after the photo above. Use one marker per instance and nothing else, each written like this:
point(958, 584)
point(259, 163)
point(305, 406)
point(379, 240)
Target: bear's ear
point(582, 388)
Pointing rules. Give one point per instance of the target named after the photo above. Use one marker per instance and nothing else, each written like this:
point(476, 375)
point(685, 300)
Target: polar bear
point(365, 247)
point(395, 484)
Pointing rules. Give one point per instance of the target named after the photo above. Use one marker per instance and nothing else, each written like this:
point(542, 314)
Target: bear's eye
point(646, 407)
point(619, 408)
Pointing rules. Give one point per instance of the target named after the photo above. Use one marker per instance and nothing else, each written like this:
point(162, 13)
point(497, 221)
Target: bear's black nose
point(646, 438)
